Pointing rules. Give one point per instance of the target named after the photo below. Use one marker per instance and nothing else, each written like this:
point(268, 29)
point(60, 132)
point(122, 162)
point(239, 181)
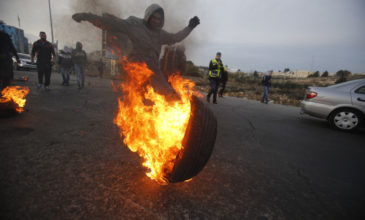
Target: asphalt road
point(63, 159)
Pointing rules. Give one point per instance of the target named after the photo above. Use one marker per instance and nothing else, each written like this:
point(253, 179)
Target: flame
point(151, 125)
point(15, 94)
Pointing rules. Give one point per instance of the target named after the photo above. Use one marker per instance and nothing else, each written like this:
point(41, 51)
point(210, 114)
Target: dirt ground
point(283, 91)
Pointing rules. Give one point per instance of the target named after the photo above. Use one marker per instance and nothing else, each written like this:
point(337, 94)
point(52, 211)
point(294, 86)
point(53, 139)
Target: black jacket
point(44, 50)
point(266, 81)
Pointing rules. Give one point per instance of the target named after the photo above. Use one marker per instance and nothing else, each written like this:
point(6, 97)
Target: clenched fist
point(78, 17)
point(195, 21)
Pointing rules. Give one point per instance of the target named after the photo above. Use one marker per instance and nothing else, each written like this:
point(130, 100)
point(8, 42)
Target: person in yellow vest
point(215, 70)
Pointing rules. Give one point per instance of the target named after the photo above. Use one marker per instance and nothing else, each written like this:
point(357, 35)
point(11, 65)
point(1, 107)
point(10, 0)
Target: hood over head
point(152, 9)
point(65, 49)
point(78, 46)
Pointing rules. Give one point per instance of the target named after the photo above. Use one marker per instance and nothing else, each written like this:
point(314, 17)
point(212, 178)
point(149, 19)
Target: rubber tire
point(198, 143)
point(334, 113)
point(7, 109)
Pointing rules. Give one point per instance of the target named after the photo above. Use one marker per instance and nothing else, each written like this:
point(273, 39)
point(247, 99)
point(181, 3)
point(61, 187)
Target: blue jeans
point(65, 71)
point(79, 70)
point(265, 96)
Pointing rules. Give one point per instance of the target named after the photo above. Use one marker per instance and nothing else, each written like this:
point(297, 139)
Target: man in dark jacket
point(65, 62)
point(7, 49)
point(147, 37)
point(79, 59)
point(215, 70)
point(44, 51)
point(223, 81)
point(266, 82)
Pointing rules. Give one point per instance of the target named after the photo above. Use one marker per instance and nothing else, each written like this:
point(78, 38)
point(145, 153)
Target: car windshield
point(24, 56)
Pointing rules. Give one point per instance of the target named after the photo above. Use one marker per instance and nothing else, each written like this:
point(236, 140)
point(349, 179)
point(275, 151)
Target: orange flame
point(150, 125)
point(15, 94)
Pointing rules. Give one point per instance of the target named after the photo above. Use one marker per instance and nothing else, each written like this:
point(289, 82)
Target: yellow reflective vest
point(216, 72)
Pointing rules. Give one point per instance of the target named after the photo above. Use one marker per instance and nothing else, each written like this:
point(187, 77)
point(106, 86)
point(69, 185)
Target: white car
point(343, 104)
point(25, 62)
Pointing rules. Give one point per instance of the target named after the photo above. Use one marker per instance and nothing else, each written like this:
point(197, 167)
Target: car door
point(358, 96)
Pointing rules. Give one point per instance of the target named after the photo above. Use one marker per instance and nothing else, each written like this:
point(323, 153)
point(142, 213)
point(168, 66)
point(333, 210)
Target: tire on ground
point(7, 109)
point(198, 143)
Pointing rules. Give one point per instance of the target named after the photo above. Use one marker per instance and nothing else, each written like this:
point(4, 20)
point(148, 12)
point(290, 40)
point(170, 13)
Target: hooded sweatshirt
point(147, 42)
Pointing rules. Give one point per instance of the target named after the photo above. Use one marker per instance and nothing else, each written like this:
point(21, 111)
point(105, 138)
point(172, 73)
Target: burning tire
point(12, 100)
point(7, 108)
point(198, 143)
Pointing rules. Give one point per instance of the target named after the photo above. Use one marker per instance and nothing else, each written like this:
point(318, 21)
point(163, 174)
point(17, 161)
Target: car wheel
point(345, 119)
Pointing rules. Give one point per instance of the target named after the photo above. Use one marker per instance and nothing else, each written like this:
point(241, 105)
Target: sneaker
point(47, 88)
point(215, 102)
point(39, 86)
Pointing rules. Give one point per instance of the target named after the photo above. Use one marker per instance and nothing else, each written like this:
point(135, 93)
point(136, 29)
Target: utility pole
point(18, 21)
point(50, 17)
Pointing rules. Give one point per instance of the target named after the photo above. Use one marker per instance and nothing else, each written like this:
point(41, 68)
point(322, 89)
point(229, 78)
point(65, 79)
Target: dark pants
point(44, 69)
point(223, 87)
point(214, 83)
point(5, 73)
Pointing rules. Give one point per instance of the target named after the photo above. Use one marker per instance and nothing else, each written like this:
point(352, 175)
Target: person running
point(223, 81)
point(215, 69)
point(7, 49)
point(65, 62)
point(79, 59)
point(266, 82)
point(44, 51)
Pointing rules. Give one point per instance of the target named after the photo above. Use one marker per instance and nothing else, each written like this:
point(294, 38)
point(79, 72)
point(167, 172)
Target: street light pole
point(50, 17)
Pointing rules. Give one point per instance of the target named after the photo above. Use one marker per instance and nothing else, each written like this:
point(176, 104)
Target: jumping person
point(147, 37)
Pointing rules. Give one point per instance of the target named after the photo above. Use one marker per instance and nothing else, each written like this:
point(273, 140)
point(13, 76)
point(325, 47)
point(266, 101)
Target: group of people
point(44, 52)
point(147, 37)
point(218, 76)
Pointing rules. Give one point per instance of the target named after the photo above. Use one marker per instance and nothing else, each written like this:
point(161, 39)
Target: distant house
point(302, 73)
point(279, 74)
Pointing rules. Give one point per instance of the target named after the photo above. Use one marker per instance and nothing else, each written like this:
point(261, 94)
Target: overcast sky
point(251, 34)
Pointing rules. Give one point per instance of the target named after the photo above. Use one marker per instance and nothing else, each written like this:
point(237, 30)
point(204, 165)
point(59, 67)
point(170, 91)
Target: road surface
point(63, 159)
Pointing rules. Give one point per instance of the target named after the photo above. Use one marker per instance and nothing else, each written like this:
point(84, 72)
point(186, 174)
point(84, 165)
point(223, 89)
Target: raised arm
point(103, 22)
point(34, 48)
point(168, 38)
